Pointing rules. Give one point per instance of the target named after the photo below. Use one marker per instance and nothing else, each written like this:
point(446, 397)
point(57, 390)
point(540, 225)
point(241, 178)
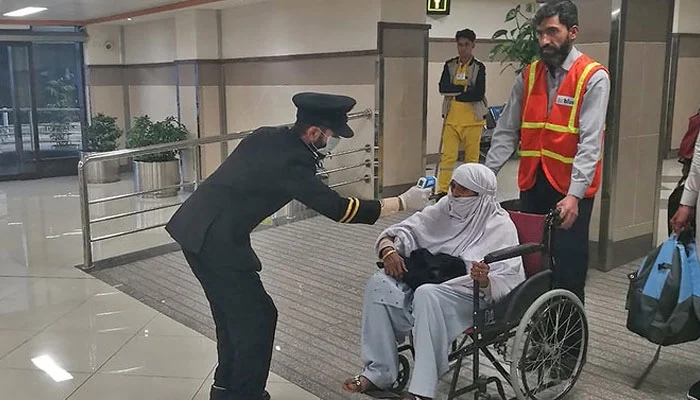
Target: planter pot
point(102, 171)
point(155, 175)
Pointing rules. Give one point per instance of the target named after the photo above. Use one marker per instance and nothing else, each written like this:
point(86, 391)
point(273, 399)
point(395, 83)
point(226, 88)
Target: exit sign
point(439, 7)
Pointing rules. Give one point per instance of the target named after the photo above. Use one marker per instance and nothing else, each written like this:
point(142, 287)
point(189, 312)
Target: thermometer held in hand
point(426, 182)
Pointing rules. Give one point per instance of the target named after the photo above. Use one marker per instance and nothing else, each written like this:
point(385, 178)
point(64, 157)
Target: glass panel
point(23, 95)
point(17, 155)
point(57, 83)
point(8, 155)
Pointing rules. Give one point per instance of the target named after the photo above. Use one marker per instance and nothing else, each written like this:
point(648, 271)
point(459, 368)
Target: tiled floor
point(56, 319)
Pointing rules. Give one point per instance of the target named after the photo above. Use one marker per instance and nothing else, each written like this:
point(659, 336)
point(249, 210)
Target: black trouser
point(569, 246)
point(245, 318)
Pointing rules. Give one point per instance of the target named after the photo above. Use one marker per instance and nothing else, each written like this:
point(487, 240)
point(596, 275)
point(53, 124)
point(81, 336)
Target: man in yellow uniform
point(463, 85)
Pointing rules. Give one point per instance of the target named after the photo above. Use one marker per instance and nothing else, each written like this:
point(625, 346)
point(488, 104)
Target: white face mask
point(462, 207)
point(330, 145)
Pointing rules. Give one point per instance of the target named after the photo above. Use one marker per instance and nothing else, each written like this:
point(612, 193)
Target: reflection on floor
point(66, 335)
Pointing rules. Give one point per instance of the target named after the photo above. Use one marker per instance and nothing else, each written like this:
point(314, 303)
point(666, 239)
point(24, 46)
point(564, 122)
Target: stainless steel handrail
point(85, 202)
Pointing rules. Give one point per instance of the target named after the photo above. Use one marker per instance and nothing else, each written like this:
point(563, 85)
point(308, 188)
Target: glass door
point(57, 81)
point(18, 145)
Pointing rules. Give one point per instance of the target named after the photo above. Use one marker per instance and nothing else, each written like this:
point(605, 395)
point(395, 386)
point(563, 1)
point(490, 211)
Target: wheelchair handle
point(553, 219)
point(512, 252)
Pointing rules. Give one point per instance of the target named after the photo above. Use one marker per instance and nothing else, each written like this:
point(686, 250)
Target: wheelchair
point(548, 327)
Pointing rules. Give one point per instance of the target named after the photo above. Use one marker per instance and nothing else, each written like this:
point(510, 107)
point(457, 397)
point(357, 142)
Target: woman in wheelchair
point(468, 223)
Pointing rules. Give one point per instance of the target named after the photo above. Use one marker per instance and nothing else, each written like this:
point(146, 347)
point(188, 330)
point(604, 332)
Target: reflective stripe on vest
point(571, 128)
point(550, 154)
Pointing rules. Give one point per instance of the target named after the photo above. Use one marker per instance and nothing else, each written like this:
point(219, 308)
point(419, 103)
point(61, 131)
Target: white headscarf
point(466, 227)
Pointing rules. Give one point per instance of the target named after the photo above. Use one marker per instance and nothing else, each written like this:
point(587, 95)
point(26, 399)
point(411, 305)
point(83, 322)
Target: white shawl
point(485, 227)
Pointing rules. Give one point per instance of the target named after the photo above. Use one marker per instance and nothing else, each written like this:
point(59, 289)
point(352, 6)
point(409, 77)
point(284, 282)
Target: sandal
point(358, 384)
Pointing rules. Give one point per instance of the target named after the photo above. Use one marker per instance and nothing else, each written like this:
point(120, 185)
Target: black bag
point(425, 267)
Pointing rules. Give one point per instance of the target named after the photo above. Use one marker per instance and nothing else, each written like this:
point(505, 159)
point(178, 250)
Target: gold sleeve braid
point(351, 211)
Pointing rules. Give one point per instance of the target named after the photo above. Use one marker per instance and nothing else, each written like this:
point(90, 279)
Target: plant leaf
point(499, 33)
point(511, 15)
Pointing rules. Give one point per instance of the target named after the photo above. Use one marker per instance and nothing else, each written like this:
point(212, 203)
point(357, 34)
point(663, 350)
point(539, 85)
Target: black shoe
point(220, 394)
point(216, 393)
point(694, 391)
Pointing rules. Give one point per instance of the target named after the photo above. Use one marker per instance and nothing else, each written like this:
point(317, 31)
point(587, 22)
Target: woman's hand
point(480, 273)
point(394, 265)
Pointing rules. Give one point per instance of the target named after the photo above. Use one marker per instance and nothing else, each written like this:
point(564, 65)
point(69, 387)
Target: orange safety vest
point(552, 141)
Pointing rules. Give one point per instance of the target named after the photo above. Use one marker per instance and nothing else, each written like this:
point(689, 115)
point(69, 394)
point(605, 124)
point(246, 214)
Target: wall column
point(634, 145)
point(402, 98)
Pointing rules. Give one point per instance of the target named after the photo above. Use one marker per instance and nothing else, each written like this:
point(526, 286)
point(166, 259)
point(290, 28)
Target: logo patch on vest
point(565, 101)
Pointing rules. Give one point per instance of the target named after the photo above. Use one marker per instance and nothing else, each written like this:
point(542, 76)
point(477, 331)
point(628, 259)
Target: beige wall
point(150, 42)
point(685, 19)
point(483, 16)
point(640, 116)
point(686, 99)
point(299, 27)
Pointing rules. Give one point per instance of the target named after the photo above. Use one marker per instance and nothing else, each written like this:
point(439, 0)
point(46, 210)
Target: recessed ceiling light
point(128, 19)
point(23, 12)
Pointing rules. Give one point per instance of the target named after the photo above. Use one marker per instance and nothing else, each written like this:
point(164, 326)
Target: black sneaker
point(694, 391)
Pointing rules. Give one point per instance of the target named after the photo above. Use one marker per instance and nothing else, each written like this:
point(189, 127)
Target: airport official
point(268, 169)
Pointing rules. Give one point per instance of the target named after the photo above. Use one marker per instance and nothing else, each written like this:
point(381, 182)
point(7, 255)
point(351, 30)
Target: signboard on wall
point(439, 7)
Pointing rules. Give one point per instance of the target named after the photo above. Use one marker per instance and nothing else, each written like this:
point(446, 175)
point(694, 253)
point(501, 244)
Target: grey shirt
point(594, 105)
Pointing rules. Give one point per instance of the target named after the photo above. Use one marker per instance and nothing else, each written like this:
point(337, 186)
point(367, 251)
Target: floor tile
point(74, 352)
point(19, 313)
point(120, 387)
point(288, 391)
point(167, 356)
point(162, 325)
point(108, 313)
point(10, 339)
point(278, 387)
point(18, 384)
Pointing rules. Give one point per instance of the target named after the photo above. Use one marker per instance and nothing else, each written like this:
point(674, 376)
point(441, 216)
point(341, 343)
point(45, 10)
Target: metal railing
point(86, 202)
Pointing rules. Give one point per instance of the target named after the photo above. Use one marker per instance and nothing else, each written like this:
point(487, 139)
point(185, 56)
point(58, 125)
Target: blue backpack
point(663, 300)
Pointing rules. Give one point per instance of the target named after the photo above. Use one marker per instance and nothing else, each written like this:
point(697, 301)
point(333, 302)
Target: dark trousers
point(569, 246)
point(245, 317)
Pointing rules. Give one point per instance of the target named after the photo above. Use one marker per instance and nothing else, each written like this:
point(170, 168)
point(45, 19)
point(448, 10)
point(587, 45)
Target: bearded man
point(556, 114)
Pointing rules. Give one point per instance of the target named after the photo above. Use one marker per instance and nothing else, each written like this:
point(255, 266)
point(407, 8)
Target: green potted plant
point(518, 47)
point(159, 170)
point(101, 136)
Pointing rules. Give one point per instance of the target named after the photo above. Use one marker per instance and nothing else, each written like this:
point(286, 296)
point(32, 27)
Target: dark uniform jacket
point(268, 169)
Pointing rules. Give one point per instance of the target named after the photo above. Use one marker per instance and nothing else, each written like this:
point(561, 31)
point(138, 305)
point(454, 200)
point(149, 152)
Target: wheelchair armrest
point(512, 252)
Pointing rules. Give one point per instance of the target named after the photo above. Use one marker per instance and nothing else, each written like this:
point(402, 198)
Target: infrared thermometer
point(426, 182)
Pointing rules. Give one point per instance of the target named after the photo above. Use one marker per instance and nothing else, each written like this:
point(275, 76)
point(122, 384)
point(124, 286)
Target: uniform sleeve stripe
point(348, 211)
point(354, 211)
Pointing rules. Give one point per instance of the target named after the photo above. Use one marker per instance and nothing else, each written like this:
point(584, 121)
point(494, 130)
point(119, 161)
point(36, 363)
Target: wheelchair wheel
point(549, 350)
point(404, 374)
